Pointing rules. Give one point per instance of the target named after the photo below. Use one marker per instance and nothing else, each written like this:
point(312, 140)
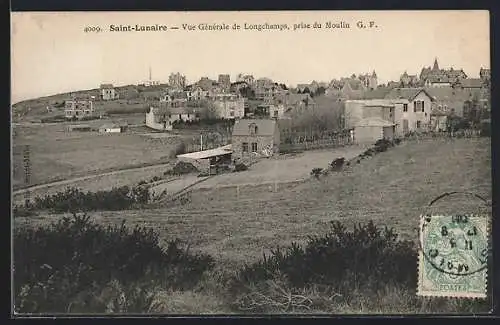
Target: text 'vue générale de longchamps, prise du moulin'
point(331, 25)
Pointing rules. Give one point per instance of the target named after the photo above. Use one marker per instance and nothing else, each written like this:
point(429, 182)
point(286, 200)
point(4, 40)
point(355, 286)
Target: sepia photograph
point(251, 162)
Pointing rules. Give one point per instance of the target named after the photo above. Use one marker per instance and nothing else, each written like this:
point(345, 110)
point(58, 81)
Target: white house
point(157, 121)
point(230, 108)
point(110, 128)
point(108, 92)
point(415, 114)
point(181, 114)
point(197, 93)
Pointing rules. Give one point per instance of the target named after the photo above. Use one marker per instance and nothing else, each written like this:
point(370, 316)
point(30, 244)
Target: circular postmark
point(456, 245)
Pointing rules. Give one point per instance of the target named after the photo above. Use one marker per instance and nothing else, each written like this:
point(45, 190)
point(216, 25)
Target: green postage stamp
point(453, 256)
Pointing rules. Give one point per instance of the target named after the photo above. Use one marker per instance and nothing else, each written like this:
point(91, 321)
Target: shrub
point(397, 141)
point(382, 145)
point(182, 168)
point(316, 172)
point(337, 164)
point(84, 257)
point(75, 200)
point(368, 153)
point(180, 149)
point(367, 256)
point(239, 167)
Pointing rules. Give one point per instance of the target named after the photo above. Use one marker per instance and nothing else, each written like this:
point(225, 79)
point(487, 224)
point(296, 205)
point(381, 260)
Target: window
point(419, 124)
point(418, 106)
point(254, 146)
point(231, 114)
point(405, 107)
point(253, 129)
point(275, 113)
point(245, 147)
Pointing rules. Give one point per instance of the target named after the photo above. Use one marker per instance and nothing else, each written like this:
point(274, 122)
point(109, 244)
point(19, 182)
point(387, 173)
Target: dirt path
point(82, 178)
point(280, 170)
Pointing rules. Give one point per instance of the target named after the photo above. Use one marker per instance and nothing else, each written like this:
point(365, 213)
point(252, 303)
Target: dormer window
point(253, 129)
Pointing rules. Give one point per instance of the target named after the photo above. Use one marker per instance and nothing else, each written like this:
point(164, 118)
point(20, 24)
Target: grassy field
point(237, 226)
point(391, 188)
point(56, 154)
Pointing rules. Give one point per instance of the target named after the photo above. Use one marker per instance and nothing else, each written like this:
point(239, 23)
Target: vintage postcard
point(308, 162)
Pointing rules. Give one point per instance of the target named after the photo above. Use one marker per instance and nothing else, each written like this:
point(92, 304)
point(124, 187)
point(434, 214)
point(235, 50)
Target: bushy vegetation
point(76, 200)
point(367, 256)
point(239, 167)
point(182, 168)
point(316, 172)
point(337, 164)
point(324, 115)
point(179, 149)
point(76, 265)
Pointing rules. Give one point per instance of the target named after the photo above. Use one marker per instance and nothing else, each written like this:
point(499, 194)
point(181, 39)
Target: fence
point(310, 140)
point(463, 133)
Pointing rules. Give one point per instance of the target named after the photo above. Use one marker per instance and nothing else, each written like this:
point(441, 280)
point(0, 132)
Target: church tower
point(436, 66)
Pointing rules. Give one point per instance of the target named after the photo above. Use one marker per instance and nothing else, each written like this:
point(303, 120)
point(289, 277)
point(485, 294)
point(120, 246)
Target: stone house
point(255, 137)
point(196, 93)
point(271, 110)
point(229, 107)
point(181, 114)
point(156, 119)
point(107, 92)
point(78, 108)
point(413, 115)
point(452, 100)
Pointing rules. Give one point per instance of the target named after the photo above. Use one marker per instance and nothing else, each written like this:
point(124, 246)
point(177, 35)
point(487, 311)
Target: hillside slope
point(391, 188)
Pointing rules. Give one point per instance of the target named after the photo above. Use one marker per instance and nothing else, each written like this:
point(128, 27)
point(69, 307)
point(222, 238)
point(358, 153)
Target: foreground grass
point(237, 228)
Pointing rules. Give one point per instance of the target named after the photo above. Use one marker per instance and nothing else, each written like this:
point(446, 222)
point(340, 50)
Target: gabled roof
point(406, 93)
point(265, 127)
point(450, 94)
point(106, 86)
point(378, 93)
point(224, 150)
point(471, 83)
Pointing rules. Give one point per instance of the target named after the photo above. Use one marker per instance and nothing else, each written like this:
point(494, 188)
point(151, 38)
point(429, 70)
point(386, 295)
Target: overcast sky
point(51, 53)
